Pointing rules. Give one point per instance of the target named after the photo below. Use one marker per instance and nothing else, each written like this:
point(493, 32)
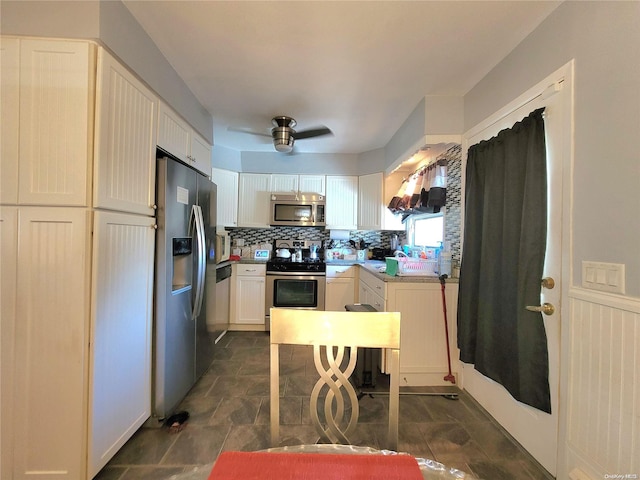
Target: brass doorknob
point(545, 308)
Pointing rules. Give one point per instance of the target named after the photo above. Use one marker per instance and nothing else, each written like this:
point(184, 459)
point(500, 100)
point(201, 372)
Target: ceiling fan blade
point(249, 131)
point(313, 132)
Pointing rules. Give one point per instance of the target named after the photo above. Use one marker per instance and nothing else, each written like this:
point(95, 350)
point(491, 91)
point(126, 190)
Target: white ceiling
point(358, 67)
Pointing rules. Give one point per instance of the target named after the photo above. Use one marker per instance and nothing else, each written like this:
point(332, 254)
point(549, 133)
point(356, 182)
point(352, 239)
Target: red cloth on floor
point(313, 466)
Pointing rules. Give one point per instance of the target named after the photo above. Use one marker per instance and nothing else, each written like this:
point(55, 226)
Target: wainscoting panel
point(603, 430)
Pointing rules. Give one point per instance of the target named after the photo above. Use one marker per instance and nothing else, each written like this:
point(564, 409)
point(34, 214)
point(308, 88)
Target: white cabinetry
point(422, 332)
point(51, 344)
point(392, 184)
point(290, 183)
point(52, 122)
point(227, 183)
point(177, 137)
point(254, 197)
point(125, 143)
point(284, 183)
point(372, 290)
point(313, 184)
point(68, 394)
point(340, 287)
point(10, 115)
point(120, 332)
point(342, 202)
point(247, 296)
point(370, 207)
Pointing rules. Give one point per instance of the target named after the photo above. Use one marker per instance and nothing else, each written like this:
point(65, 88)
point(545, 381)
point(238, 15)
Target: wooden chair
point(329, 333)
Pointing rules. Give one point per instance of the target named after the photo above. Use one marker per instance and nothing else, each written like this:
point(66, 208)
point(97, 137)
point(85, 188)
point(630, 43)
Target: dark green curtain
point(503, 258)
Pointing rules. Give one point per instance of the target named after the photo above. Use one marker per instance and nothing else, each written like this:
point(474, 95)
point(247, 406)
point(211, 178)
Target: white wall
point(603, 38)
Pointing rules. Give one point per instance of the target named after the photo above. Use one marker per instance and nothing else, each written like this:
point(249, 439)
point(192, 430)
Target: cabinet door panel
point(8, 292)
point(200, 154)
point(283, 183)
point(56, 119)
point(253, 200)
point(312, 184)
point(50, 400)
point(121, 332)
point(174, 134)
point(227, 183)
point(370, 202)
point(250, 300)
point(340, 292)
point(9, 112)
point(125, 141)
point(342, 202)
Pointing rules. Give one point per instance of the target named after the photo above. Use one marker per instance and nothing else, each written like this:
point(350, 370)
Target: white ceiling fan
point(284, 135)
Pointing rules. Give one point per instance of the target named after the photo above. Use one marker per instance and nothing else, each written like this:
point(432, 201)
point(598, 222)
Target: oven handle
point(297, 274)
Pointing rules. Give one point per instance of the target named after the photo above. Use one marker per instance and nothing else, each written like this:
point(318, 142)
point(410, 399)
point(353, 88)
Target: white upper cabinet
point(55, 118)
point(200, 153)
point(284, 183)
point(370, 207)
point(254, 200)
point(342, 202)
point(177, 137)
point(10, 114)
point(125, 146)
point(291, 183)
point(227, 204)
point(313, 184)
point(173, 133)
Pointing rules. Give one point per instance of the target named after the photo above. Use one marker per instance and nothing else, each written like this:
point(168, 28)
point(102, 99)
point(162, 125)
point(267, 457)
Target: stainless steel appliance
point(298, 210)
point(297, 281)
point(221, 310)
point(185, 282)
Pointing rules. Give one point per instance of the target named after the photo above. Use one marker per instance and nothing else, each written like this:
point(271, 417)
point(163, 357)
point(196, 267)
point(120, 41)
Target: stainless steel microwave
point(301, 210)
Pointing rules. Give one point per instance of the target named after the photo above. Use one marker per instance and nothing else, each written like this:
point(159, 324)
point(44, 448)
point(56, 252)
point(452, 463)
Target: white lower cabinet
point(423, 346)
point(248, 282)
point(120, 390)
point(51, 338)
point(340, 287)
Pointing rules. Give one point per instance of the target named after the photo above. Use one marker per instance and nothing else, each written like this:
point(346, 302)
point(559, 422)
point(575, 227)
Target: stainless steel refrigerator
point(185, 282)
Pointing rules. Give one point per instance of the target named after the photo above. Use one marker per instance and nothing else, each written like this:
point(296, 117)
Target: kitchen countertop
point(373, 267)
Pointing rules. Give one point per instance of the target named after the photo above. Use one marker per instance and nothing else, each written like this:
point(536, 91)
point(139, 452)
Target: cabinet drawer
point(341, 271)
point(249, 269)
point(377, 286)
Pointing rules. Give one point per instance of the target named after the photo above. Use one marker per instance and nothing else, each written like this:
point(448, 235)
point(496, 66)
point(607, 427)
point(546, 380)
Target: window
point(426, 230)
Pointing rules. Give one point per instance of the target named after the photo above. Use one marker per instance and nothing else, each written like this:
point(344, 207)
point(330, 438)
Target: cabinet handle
point(154, 226)
point(154, 206)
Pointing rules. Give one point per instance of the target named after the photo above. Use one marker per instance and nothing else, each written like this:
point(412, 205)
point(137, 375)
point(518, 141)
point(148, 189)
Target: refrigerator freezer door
point(205, 339)
point(174, 346)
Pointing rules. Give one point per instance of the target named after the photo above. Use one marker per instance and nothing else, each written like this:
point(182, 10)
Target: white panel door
point(250, 312)
point(200, 154)
point(56, 119)
point(339, 292)
point(313, 184)
point(120, 402)
point(8, 292)
point(537, 431)
point(9, 112)
point(227, 183)
point(174, 134)
point(50, 397)
point(125, 146)
point(253, 200)
point(284, 183)
point(370, 202)
point(342, 202)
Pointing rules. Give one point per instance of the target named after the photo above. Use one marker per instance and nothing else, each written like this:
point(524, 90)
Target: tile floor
point(229, 410)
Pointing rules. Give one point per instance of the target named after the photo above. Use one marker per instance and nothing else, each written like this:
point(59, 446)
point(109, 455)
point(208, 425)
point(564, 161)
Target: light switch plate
point(606, 277)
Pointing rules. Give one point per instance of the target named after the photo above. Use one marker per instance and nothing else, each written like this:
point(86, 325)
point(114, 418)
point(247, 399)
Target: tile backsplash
point(375, 238)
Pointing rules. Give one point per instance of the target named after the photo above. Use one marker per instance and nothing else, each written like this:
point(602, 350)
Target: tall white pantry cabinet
point(76, 218)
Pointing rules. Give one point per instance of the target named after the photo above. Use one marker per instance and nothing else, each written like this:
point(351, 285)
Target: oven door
point(294, 291)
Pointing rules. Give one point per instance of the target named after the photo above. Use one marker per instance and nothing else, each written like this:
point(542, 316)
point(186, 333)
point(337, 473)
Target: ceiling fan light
point(282, 139)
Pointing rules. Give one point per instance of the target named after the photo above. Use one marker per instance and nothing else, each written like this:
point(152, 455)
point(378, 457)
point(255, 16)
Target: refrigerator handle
point(201, 259)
